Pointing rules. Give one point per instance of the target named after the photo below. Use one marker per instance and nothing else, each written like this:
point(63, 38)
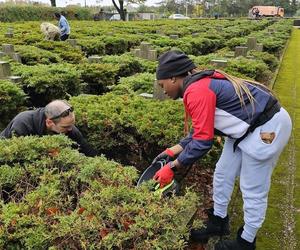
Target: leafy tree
point(119, 5)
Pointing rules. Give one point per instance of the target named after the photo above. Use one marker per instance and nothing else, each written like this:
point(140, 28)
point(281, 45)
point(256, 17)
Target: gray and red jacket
point(214, 107)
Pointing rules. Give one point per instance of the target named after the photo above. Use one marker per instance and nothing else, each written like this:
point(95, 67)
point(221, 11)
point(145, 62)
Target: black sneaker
point(215, 226)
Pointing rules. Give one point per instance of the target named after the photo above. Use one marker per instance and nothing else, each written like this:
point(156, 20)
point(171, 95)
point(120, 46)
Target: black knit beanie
point(173, 63)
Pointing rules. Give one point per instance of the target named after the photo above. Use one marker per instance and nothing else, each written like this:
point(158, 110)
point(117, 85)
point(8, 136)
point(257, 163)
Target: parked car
point(115, 17)
point(178, 16)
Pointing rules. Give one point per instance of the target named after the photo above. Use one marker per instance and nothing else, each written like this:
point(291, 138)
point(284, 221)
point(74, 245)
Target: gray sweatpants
point(253, 161)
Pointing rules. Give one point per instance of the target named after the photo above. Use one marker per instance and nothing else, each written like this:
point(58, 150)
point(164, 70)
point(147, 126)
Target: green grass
point(284, 210)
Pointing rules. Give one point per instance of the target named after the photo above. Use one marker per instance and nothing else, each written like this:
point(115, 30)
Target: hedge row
point(108, 38)
point(14, 13)
point(47, 82)
point(12, 100)
point(55, 198)
point(131, 128)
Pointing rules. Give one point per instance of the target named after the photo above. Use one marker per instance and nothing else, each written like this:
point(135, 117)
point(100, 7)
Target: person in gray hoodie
point(57, 117)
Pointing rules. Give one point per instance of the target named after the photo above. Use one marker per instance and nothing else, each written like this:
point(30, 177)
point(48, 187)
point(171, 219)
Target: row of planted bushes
point(43, 83)
point(14, 13)
point(120, 124)
point(52, 197)
point(93, 41)
point(131, 128)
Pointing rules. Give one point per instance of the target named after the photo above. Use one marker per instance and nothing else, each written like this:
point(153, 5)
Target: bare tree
point(53, 3)
point(119, 5)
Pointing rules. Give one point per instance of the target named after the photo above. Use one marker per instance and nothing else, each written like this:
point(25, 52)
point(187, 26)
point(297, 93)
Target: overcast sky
point(63, 3)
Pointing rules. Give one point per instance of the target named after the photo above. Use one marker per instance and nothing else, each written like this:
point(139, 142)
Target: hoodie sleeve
point(63, 25)
point(200, 104)
point(183, 142)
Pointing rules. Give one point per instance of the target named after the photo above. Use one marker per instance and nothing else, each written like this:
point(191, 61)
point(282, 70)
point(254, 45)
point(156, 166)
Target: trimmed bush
point(254, 69)
point(58, 198)
point(115, 45)
point(13, 13)
point(31, 55)
point(12, 99)
point(267, 58)
point(98, 76)
point(130, 128)
point(44, 83)
point(64, 50)
point(92, 46)
point(127, 63)
point(138, 83)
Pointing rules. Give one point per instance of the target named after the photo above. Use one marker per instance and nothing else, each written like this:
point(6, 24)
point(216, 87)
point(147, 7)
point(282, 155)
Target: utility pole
point(186, 8)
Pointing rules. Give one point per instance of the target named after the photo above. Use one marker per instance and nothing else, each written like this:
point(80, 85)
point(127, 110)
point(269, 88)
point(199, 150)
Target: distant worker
point(255, 13)
point(56, 118)
point(63, 26)
point(50, 31)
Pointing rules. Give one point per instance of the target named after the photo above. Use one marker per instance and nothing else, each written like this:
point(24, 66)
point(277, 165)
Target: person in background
point(256, 127)
point(57, 117)
point(63, 26)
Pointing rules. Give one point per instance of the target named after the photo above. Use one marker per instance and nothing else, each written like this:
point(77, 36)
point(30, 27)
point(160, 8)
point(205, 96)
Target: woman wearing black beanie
point(256, 127)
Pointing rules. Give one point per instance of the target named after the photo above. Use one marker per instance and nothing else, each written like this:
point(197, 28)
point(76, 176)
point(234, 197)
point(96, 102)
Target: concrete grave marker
point(259, 47)
point(5, 73)
point(174, 37)
point(240, 51)
point(219, 63)
point(251, 43)
point(94, 59)
point(8, 49)
point(9, 33)
point(72, 42)
point(145, 52)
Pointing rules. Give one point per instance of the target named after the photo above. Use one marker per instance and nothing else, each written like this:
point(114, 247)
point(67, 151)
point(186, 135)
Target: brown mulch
point(200, 178)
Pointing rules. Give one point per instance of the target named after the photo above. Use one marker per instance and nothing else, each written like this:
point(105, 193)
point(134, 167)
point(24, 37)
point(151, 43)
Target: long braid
point(241, 88)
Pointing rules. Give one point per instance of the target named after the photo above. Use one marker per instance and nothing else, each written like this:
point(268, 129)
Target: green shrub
point(273, 46)
point(267, 58)
point(254, 69)
point(12, 99)
point(98, 76)
point(235, 41)
point(138, 83)
point(13, 13)
point(127, 64)
point(31, 55)
point(115, 45)
point(130, 128)
point(44, 83)
point(92, 46)
point(64, 50)
point(61, 199)
point(125, 126)
point(203, 46)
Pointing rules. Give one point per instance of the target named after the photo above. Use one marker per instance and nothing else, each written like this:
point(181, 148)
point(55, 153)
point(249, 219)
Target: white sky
point(63, 3)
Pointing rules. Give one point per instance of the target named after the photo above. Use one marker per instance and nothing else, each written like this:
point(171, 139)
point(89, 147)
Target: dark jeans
point(64, 37)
